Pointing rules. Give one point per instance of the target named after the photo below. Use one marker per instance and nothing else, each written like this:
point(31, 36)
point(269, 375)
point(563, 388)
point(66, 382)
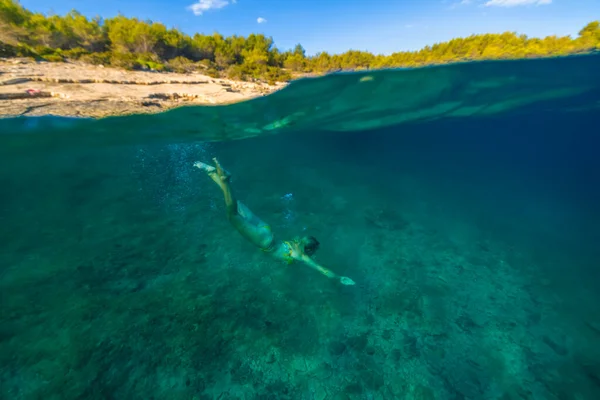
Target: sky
point(378, 26)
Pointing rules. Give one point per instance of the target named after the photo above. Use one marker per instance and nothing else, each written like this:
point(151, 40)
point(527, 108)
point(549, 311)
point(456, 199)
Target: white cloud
point(514, 3)
point(460, 3)
point(261, 20)
point(204, 5)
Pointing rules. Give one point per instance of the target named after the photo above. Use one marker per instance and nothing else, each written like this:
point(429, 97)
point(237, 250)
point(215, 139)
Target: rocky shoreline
point(79, 90)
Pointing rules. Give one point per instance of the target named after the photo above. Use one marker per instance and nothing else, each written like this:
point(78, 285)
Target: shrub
point(206, 64)
point(54, 58)
point(124, 60)
point(7, 50)
point(152, 65)
point(275, 74)
point(157, 66)
point(236, 72)
point(24, 50)
point(148, 61)
point(44, 51)
point(76, 53)
point(181, 65)
point(96, 58)
point(213, 73)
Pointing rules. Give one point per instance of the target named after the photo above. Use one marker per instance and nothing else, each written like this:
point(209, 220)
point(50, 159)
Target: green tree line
point(135, 44)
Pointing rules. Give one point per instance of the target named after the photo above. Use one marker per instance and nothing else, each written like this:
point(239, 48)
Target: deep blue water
point(464, 201)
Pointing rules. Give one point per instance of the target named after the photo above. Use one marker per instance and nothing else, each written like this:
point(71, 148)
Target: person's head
point(308, 245)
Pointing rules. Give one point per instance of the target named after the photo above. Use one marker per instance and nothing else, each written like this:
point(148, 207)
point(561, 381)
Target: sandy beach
point(79, 90)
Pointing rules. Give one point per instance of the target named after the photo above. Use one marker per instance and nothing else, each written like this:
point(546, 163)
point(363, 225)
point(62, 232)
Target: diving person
point(259, 233)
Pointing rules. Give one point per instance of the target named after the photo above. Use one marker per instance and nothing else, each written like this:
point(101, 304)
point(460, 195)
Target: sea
point(463, 200)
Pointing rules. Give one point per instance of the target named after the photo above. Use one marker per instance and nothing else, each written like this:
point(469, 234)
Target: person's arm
point(330, 274)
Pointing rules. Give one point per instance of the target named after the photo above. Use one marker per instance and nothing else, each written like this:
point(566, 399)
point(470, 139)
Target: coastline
point(30, 88)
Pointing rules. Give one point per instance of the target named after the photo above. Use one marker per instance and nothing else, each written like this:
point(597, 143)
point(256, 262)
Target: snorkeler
point(259, 233)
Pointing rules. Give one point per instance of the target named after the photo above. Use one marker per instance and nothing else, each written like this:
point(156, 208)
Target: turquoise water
point(464, 201)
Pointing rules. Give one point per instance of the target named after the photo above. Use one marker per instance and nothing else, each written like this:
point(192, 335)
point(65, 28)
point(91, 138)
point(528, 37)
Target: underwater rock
point(558, 349)
point(337, 348)
point(466, 323)
point(358, 343)
point(271, 358)
point(594, 326)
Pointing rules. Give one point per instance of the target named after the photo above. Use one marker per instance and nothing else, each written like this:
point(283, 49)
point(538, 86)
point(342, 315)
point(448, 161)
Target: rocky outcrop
point(68, 89)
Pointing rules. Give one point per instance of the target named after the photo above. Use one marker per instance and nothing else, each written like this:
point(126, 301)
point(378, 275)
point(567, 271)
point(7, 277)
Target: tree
point(296, 60)
point(299, 51)
point(173, 43)
point(13, 18)
point(41, 30)
point(589, 36)
point(130, 43)
point(145, 35)
point(88, 34)
point(120, 33)
point(322, 62)
point(203, 47)
point(591, 29)
point(11, 12)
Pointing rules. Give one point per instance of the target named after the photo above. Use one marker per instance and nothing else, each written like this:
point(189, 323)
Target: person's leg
point(248, 224)
point(221, 178)
point(230, 201)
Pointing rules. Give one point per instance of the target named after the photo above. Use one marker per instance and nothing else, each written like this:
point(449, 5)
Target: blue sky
point(379, 26)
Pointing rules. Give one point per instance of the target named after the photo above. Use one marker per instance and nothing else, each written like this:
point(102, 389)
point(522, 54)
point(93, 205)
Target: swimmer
point(259, 233)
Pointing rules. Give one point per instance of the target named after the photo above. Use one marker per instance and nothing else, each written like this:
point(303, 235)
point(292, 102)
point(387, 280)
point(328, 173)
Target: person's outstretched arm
point(330, 274)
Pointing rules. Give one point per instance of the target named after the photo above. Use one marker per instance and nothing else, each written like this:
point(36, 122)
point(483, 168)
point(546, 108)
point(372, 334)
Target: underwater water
point(464, 200)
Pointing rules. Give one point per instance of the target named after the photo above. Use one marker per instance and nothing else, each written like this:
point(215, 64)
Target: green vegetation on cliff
point(134, 44)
